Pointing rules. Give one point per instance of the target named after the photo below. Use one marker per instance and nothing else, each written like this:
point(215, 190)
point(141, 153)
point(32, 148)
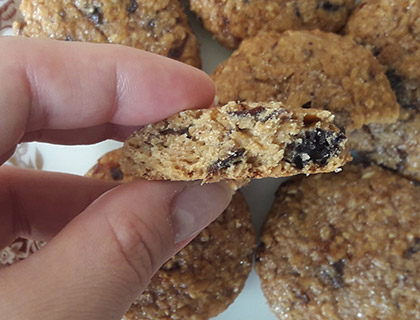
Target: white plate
point(250, 304)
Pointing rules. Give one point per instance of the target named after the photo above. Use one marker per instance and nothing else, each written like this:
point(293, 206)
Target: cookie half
point(231, 21)
point(158, 26)
point(235, 142)
point(312, 69)
point(391, 30)
point(343, 246)
point(205, 277)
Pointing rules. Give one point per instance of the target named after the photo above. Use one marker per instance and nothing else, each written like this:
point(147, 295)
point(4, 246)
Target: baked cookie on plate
point(343, 246)
point(391, 30)
point(309, 69)
point(158, 26)
point(231, 21)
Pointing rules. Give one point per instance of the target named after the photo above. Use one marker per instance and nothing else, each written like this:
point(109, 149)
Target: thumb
point(101, 261)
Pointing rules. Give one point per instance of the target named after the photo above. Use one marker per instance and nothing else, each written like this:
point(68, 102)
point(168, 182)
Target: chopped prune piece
point(177, 51)
point(316, 146)
point(226, 163)
point(116, 173)
point(328, 6)
point(132, 7)
point(251, 112)
point(412, 249)
point(307, 105)
point(334, 274)
point(179, 132)
point(97, 16)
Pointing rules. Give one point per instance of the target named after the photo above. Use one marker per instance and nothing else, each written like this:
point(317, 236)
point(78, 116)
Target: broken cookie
point(234, 142)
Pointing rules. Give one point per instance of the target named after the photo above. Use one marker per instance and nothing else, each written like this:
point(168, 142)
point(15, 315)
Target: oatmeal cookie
point(391, 30)
point(158, 26)
point(205, 277)
point(343, 246)
point(313, 69)
point(231, 21)
point(234, 142)
point(396, 146)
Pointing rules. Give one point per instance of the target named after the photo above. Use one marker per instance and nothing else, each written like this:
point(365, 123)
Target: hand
point(105, 240)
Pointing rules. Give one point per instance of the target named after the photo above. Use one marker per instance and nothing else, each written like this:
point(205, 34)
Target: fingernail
point(196, 207)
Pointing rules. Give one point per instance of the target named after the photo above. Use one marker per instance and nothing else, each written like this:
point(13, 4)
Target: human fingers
point(108, 254)
point(54, 85)
point(37, 205)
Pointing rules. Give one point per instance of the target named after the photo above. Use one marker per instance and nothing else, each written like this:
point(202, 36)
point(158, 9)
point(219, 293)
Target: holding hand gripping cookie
point(106, 240)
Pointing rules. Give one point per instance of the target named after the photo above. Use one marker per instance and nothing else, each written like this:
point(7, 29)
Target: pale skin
point(105, 240)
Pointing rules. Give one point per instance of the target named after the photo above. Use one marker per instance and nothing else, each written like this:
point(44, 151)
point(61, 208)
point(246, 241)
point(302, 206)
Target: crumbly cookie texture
point(396, 146)
point(343, 246)
point(205, 277)
point(158, 26)
point(391, 30)
point(231, 21)
point(234, 142)
point(312, 69)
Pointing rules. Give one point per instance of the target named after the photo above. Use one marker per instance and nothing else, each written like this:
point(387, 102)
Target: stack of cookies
point(294, 98)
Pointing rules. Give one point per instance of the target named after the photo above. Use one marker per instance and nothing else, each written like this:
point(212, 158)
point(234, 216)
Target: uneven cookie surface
point(396, 146)
point(391, 30)
point(231, 21)
point(158, 26)
point(343, 246)
point(234, 142)
point(205, 277)
point(312, 69)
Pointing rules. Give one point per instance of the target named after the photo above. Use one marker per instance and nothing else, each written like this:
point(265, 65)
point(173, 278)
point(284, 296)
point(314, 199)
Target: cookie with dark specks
point(312, 69)
point(158, 26)
point(238, 141)
point(231, 21)
point(343, 246)
point(205, 277)
point(391, 30)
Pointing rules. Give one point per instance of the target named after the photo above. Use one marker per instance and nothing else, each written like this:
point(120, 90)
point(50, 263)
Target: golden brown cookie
point(312, 69)
point(158, 26)
point(343, 246)
point(235, 142)
point(231, 21)
point(205, 277)
point(391, 30)
point(396, 146)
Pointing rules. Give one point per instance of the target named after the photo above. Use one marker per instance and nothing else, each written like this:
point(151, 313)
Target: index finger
point(50, 85)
